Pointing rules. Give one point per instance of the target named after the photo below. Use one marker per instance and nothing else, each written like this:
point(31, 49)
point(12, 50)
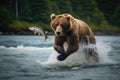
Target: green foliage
point(111, 10)
point(99, 14)
point(53, 7)
point(64, 6)
point(19, 25)
point(116, 17)
point(40, 11)
point(5, 18)
point(24, 10)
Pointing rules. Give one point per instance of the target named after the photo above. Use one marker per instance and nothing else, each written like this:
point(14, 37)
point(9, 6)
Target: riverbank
point(51, 33)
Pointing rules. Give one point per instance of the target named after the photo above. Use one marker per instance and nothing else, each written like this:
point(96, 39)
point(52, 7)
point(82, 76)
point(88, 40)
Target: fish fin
point(46, 37)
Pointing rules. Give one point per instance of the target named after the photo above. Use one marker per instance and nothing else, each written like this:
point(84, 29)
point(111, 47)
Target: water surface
point(20, 56)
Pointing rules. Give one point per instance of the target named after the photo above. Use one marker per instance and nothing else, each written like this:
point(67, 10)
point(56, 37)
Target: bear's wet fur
point(69, 30)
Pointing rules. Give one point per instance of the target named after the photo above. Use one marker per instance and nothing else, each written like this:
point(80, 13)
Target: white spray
point(81, 56)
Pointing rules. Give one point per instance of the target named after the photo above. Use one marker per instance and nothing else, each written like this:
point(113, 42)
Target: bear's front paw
point(62, 57)
point(59, 49)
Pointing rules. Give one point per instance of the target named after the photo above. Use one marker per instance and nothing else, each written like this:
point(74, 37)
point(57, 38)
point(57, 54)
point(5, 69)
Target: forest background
point(17, 15)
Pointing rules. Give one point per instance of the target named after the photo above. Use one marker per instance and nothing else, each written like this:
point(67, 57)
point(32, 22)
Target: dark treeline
point(16, 15)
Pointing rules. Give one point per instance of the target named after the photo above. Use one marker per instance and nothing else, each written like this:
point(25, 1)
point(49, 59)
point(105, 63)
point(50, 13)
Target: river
point(20, 58)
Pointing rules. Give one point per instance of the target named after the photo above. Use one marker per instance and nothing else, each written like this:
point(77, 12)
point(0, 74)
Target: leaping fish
point(39, 31)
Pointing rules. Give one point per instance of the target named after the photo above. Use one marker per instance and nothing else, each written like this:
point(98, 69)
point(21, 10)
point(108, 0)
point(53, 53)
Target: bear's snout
point(58, 31)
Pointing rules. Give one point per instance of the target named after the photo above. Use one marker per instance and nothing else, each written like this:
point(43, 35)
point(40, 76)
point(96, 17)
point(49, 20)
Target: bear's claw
point(62, 57)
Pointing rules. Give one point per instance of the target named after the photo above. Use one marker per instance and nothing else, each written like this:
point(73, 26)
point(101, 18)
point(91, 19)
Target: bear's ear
point(52, 16)
point(68, 17)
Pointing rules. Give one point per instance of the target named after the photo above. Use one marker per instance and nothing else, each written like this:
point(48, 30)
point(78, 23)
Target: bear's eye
point(62, 25)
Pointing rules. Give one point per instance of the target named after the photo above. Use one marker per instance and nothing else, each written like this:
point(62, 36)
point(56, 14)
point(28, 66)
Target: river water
point(20, 58)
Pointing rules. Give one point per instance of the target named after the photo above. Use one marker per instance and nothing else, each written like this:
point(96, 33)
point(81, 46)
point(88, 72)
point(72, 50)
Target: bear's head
point(60, 24)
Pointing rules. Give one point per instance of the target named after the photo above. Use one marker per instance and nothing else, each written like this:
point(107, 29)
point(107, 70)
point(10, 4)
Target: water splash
point(27, 48)
point(79, 57)
point(76, 59)
point(103, 50)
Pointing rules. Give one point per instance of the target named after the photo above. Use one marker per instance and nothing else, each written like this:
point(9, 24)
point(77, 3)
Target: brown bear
point(70, 30)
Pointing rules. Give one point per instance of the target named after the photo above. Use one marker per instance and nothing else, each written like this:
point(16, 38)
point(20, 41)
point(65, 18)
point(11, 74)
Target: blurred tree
point(109, 8)
point(95, 12)
point(53, 7)
point(5, 19)
point(64, 6)
point(6, 14)
point(88, 11)
point(116, 17)
point(40, 11)
point(24, 10)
